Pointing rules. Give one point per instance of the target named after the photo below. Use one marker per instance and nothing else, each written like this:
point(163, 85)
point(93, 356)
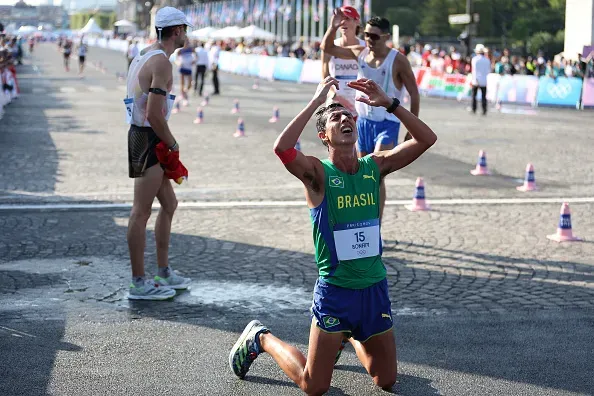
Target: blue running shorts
point(360, 313)
point(372, 132)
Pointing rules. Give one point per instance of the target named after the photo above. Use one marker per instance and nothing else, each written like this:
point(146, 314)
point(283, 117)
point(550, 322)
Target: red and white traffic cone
point(199, 116)
point(564, 232)
point(275, 115)
point(418, 202)
point(529, 180)
point(240, 132)
point(235, 108)
point(481, 166)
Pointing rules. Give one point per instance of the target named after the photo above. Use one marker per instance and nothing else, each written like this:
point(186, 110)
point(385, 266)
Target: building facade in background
point(579, 26)
point(22, 14)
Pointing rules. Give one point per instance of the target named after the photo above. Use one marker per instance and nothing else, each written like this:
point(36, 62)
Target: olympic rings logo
point(559, 90)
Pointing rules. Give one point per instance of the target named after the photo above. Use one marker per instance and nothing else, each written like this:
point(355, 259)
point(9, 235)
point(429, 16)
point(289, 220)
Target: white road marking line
point(268, 204)
point(96, 88)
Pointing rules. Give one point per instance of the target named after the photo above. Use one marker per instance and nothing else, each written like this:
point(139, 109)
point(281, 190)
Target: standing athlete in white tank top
point(344, 70)
point(148, 104)
point(378, 130)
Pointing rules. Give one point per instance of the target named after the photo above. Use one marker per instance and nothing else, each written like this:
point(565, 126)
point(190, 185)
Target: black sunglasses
point(372, 36)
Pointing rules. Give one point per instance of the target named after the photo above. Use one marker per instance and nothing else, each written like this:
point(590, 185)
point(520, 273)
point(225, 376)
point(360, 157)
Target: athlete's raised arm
point(332, 49)
point(303, 167)
point(422, 136)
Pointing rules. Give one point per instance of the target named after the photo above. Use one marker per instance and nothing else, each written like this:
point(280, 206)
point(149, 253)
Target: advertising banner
point(288, 69)
point(253, 65)
point(453, 85)
point(518, 89)
point(561, 91)
point(588, 94)
point(311, 71)
point(266, 66)
point(431, 83)
point(226, 62)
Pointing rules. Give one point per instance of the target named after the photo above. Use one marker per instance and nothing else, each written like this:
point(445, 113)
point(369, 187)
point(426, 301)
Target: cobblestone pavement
point(497, 260)
point(485, 304)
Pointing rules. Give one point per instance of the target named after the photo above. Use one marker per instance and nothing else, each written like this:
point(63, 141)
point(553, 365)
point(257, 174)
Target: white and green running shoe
point(149, 291)
point(247, 348)
point(173, 281)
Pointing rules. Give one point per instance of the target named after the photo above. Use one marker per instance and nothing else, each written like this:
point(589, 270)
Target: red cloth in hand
point(174, 169)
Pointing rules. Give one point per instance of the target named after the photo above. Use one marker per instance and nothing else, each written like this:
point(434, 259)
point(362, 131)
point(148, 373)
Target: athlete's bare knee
point(140, 215)
point(385, 382)
point(170, 206)
point(314, 389)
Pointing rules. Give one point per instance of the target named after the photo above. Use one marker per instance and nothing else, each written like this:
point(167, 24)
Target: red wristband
point(287, 155)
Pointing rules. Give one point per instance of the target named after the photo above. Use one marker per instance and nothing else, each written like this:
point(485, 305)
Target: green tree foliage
point(514, 20)
point(104, 20)
point(406, 18)
point(546, 42)
point(435, 18)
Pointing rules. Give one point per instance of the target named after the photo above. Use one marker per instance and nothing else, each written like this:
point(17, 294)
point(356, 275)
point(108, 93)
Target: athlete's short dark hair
point(322, 116)
point(382, 23)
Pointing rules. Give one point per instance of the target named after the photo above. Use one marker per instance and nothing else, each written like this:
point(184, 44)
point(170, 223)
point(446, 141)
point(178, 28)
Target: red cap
point(350, 12)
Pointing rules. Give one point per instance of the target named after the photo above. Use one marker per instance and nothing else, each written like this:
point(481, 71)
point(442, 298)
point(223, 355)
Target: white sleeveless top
point(344, 70)
point(138, 96)
point(383, 77)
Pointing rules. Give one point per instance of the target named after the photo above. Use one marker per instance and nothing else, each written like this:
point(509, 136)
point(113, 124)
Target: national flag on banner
point(246, 10)
point(367, 10)
point(227, 12)
point(258, 9)
point(272, 9)
point(298, 10)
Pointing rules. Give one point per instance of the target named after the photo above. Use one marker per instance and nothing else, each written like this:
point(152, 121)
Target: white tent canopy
point(226, 32)
point(254, 32)
point(203, 33)
point(27, 29)
point(91, 27)
point(124, 23)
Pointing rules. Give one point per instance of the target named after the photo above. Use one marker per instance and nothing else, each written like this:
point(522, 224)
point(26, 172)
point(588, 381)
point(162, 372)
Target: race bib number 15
point(358, 239)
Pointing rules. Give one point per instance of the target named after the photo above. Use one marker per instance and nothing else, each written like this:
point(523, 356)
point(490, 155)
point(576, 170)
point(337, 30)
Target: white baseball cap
point(170, 16)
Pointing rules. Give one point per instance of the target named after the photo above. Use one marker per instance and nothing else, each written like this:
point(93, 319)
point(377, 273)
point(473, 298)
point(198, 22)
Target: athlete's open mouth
point(347, 129)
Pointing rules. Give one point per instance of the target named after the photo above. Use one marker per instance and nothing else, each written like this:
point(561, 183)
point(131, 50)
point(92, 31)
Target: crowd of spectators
point(446, 60)
point(502, 62)
point(11, 55)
